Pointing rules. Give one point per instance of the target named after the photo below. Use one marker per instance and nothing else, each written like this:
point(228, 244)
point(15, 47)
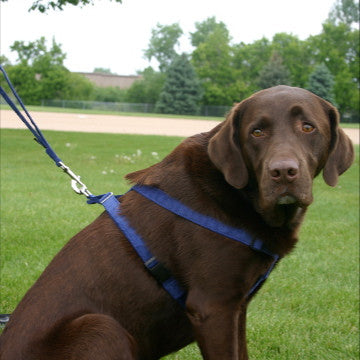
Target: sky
point(114, 36)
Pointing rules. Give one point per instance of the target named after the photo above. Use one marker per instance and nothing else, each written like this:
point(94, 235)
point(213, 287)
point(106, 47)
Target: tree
point(109, 94)
point(345, 11)
point(162, 44)
point(249, 60)
point(337, 46)
point(213, 63)
point(295, 55)
point(181, 93)
point(4, 61)
point(321, 83)
point(147, 89)
point(100, 70)
point(274, 73)
point(23, 77)
point(77, 87)
point(205, 29)
point(33, 51)
point(44, 5)
point(41, 75)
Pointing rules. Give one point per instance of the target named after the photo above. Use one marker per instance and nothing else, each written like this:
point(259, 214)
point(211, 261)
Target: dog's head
point(274, 143)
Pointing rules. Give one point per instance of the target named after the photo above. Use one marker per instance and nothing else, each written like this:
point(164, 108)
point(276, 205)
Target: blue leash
point(112, 206)
point(29, 122)
point(109, 201)
point(77, 185)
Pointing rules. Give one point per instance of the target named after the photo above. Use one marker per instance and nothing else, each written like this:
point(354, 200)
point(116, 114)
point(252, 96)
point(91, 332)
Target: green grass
point(308, 308)
point(350, 125)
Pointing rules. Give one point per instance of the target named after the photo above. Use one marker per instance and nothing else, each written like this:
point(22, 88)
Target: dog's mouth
point(287, 196)
point(286, 199)
point(284, 209)
point(288, 203)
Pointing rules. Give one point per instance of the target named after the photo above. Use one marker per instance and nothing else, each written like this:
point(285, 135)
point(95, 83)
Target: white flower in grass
point(155, 155)
point(67, 144)
point(104, 172)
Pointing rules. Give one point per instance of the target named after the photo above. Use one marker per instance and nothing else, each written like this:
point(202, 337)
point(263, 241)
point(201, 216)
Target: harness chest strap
point(162, 275)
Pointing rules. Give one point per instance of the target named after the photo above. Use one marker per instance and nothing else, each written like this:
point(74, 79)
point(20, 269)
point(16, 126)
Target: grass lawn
point(308, 309)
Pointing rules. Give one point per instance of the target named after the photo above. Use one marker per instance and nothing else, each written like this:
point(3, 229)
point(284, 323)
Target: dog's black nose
point(284, 170)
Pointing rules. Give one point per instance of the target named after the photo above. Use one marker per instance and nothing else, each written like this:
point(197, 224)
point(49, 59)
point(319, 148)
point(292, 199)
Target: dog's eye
point(257, 133)
point(307, 128)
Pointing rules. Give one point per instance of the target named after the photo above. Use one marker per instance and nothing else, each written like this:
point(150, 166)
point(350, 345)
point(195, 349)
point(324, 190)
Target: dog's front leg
point(242, 347)
point(216, 326)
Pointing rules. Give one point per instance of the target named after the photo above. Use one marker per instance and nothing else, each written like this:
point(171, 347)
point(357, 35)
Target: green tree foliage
point(147, 89)
point(4, 61)
point(109, 94)
point(249, 60)
point(337, 46)
point(23, 77)
point(44, 5)
point(205, 29)
point(274, 73)
point(162, 44)
point(321, 83)
point(295, 55)
point(35, 53)
point(100, 70)
point(181, 92)
point(229, 72)
point(41, 75)
point(78, 87)
point(346, 12)
point(213, 63)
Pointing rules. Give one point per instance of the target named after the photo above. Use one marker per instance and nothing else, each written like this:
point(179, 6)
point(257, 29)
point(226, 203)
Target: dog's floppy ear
point(341, 154)
point(224, 149)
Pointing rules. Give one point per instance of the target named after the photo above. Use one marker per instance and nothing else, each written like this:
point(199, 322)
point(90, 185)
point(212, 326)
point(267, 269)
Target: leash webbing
point(77, 185)
point(29, 122)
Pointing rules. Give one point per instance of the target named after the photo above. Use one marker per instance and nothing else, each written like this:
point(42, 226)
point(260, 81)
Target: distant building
point(105, 80)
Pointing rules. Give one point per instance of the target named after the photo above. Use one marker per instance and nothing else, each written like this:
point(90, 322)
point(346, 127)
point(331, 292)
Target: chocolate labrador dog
point(254, 171)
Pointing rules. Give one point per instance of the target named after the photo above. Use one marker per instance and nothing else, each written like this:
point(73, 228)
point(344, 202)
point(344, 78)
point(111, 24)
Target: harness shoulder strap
point(164, 200)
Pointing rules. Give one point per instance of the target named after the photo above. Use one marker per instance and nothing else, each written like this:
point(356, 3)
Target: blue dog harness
point(112, 206)
point(160, 273)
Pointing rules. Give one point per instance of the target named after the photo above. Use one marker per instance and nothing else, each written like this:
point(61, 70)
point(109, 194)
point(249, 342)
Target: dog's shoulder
point(192, 150)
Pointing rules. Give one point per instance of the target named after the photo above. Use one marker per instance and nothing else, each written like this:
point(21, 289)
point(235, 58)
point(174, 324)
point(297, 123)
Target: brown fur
point(96, 300)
